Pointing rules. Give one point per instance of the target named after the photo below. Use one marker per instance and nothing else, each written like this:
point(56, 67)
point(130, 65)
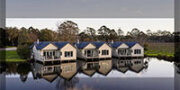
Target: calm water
point(134, 74)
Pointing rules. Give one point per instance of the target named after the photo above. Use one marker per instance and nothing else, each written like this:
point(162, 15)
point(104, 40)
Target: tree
point(149, 32)
point(112, 35)
point(68, 31)
point(33, 34)
point(137, 35)
point(24, 42)
point(103, 31)
point(83, 37)
point(12, 34)
point(91, 32)
point(47, 35)
point(3, 38)
point(120, 32)
point(23, 37)
point(23, 51)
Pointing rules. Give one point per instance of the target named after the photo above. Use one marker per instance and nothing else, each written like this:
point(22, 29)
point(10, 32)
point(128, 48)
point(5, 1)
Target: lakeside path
point(9, 49)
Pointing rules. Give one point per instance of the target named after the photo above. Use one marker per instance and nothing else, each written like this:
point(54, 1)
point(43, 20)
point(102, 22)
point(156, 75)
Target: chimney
point(112, 41)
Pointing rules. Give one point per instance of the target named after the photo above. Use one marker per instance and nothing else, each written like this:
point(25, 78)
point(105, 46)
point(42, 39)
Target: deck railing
point(49, 58)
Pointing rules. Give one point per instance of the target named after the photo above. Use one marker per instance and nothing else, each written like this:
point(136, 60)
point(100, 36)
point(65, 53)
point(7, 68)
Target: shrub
point(23, 51)
point(145, 46)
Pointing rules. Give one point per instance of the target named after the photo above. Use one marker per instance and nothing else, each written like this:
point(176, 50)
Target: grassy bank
point(12, 56)
point(160, 49)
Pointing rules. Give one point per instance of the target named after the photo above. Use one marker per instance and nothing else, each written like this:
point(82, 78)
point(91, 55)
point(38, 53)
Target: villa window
point(53, 53)
point(137, 51)
point(48, 69)
point(89, 53)
point(68, 54)
point(68, 68)
point(105, 52)
point(44, 54)
point(122, 51)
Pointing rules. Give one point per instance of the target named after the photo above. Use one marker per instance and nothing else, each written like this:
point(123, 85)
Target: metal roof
point(131, 44)
point(115, 44)
point(98, 44)
point(82, 45)
point(60, 44)
point(41, 45)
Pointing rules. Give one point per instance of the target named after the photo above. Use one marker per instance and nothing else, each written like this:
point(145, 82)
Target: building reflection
point(121, 65)
point(105, 66)
point(134, 65)
point(51, 72)
point(47, 72)
point(68, 71)
point(89, 68)
point(62, 74)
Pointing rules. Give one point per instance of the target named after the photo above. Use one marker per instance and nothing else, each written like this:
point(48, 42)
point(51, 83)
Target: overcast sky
point(90, 8)
point(126, 24)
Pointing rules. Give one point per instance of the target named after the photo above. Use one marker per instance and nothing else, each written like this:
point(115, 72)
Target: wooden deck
point(54, 62)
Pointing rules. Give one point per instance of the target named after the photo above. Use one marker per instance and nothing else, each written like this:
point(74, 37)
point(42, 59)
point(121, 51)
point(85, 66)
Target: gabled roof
point(106, 73)
point(82, 45)
point(131, 44)
point(60, 44)
point(123, 69)
point(98, 44)
point(50, 78)
point(42, 45)
point(115, 44)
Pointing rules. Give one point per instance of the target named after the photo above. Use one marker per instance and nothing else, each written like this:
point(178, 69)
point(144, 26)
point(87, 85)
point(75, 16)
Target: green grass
point(160, 49)
point(12, 56)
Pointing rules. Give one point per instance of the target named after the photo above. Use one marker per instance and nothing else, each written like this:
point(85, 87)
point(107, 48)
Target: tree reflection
point(23, 70)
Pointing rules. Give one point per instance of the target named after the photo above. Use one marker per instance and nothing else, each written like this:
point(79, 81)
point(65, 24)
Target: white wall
point(105, 47)
point(48, 47)
point(37, 54)
point(137, 46)
point(68, 47)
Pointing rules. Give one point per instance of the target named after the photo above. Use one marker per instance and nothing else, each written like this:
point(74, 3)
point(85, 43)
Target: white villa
point(127, 49)
point(86, 50)
point(105, 51)
point(120, 49)
point(53, 51)
point(136, 49)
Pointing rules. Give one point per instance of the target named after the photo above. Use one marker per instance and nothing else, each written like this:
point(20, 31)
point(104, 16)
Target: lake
point(135, 74)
